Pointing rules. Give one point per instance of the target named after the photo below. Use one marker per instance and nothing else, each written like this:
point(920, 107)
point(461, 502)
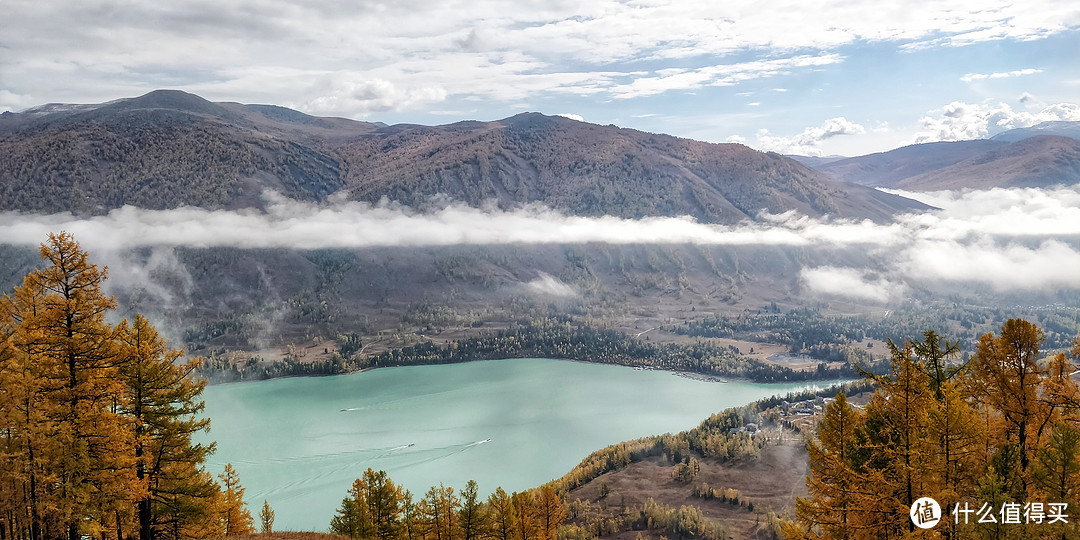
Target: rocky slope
point(168, 149)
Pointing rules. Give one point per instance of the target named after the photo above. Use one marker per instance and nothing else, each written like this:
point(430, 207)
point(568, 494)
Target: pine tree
point(528, 526)
point(1002, 430)
point(162, 406)
point(473, 516)
point(60, 327)
point(934, 353)
point(409, 517)
point(95, 420)
point(28, 451)
point(833, 484)
point(551, 512)
point(346, 520)
point(1007, 377)
point(266, 517)
point(896, 456)
point(1056, 469)
point(503, 515)
point(957, 453)
point(439, 513)
point(383, 499)
point(235, 517)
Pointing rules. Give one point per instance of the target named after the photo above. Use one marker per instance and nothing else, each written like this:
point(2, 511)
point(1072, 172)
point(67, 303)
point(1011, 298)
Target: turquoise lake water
point(300, 442)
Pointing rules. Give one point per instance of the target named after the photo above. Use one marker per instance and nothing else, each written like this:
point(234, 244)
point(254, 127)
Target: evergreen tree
point(58, 318)
point(439, 512)
point(266, 517)
point(162, 406)
point(934, 353)
point(345, 521)
point(95, 420)
point(551, 512)
point(528, 525)
point(833, 506)
point(503, 515)
point(1002, 432)
point(1056, 470)
point(235, 518)
point(473, 516)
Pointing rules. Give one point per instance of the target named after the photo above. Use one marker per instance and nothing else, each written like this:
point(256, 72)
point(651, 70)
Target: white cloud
point(572, 116)
point(548, 285)
point(9, 101)
point(960, 121)
point(850, 283)
point(345, 95)
point(719, 75)
point(1052, 264)
point(806, 143)
point(423, 51)
point(1007, 239)
point(971, 77)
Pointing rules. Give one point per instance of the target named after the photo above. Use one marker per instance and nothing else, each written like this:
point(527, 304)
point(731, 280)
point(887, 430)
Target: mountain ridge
point(169, 148)
point(1042, 155)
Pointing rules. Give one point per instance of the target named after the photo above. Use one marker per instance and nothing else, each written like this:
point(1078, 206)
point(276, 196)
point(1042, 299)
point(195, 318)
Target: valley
point(278, 245)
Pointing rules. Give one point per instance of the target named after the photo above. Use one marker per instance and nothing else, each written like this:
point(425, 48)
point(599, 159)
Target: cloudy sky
point(809, 76)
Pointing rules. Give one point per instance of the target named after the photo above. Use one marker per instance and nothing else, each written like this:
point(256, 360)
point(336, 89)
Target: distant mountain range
point(1043, 155)
point(169, 148)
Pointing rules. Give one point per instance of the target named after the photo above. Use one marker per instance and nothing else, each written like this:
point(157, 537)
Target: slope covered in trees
point(167, 149)
point(543, 338)
point(993, 441)
point(96, 419)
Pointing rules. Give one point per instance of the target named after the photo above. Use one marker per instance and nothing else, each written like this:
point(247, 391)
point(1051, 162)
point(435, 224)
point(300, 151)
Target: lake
point(300, 442)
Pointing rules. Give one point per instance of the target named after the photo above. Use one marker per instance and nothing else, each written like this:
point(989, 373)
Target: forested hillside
point(169, 149)
point(993, 441)
point(97, 419)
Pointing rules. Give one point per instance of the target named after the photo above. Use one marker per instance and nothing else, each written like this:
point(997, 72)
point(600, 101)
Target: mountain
point(816, 161)
point(1036, 161)
point(169, 148)
point(887, 169)
point(164, 150)
point(1039, 161)
point(1060, 128)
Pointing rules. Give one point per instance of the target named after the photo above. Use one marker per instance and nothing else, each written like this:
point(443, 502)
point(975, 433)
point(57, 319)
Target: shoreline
point(692, 375)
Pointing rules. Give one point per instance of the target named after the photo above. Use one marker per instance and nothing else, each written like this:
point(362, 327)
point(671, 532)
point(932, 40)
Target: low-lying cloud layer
point(1006, 239)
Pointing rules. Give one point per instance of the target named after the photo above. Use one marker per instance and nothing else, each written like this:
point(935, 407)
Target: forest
point(557, 337)
point(808, 330)
point(375, 507)
point(995, 441)
point(97, 419)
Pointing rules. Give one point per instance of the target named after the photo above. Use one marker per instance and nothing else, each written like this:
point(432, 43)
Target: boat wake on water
point(327, 469)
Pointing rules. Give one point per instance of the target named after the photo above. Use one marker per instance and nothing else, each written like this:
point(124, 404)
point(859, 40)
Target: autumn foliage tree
point(233, 514)
point(1000, 429)
point(96, 420)
point(375, 508)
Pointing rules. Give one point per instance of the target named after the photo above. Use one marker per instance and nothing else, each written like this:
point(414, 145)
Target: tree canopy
point(994, 438)
point(97, 419)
